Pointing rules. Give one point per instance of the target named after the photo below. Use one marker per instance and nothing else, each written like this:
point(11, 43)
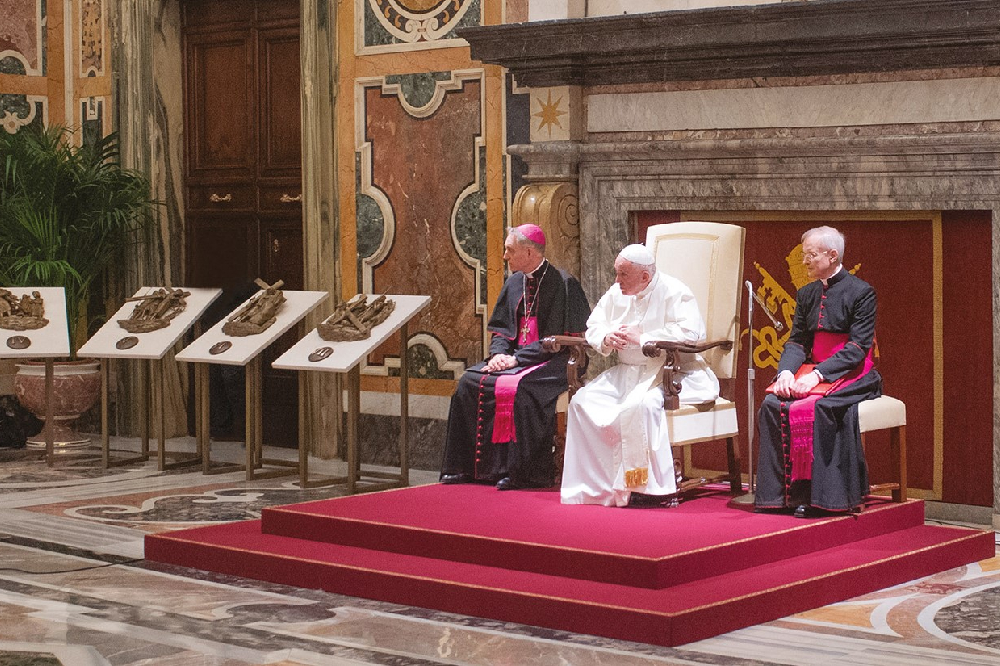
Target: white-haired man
point(617, 444)
point(810, 446)
point(502, 418)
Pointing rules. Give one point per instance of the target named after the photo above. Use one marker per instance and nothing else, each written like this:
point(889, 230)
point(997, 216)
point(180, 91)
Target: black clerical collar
point(836, 277)
point(539, 270)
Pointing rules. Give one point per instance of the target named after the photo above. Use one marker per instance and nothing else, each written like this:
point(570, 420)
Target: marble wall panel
point(849, 105)
point(22, 41)
point(613, 7)
point(93, 119)
point(421, 212)
point(402, 25)
point(515, 11)
point(92, 29)
point(17, 111)
point(547, 10)
point(517, 117)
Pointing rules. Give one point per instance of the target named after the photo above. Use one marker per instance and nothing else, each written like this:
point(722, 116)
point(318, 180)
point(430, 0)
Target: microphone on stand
point(753, 294)
point(749, 497)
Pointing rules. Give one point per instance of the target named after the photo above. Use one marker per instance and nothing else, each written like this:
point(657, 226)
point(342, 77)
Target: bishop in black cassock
point(509, 441)
point(810, 443)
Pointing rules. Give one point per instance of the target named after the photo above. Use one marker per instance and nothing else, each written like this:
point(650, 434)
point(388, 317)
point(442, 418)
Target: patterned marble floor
point(74, 590)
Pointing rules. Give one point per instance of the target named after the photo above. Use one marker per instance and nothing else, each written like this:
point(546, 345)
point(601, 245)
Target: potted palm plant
point(67, 214)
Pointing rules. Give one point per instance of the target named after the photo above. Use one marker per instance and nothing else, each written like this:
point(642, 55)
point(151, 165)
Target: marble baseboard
point(379, 441)
point(960, 513)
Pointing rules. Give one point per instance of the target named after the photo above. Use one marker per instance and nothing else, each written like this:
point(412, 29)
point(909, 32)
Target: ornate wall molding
point(555, 208)
point(24, 43)
point(385, 26)
point(820, 37)
point(925, 172)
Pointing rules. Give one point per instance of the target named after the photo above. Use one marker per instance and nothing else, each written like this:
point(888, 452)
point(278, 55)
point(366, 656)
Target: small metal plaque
point(320, 354)
point(18, 342)
point(127, 342)
point(220, 347)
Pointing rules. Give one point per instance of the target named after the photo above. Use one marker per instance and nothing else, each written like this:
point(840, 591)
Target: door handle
point(215, 198)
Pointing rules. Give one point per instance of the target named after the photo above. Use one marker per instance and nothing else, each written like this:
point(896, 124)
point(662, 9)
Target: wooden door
point(280, 201)
point(221, 117)
point(243, 166)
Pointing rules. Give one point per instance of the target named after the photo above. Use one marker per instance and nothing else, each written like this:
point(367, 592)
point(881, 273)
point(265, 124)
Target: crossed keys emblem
point(767, 341)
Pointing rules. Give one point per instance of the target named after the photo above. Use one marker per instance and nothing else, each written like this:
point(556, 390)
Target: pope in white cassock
point(617, 442)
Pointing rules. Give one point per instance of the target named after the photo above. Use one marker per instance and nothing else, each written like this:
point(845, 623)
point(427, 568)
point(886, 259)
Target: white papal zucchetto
point(637, 254)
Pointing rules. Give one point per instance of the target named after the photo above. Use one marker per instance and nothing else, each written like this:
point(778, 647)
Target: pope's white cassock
point(616, 439)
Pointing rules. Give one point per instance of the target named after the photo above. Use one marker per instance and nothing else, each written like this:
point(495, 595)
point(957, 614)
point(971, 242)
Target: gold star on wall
point(549, 113)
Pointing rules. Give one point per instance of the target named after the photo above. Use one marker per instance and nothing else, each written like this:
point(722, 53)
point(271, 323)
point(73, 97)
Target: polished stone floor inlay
point(74, 590)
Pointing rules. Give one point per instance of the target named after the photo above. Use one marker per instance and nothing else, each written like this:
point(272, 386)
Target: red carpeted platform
point(663, 576)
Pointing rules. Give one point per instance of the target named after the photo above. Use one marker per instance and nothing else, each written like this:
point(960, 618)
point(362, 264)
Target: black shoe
point(644, 501)
point(802, 511)
point(451, 479)
point(507, 483)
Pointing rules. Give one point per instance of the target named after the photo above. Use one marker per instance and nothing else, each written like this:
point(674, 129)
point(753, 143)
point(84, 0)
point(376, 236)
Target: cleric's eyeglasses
point(812, 255)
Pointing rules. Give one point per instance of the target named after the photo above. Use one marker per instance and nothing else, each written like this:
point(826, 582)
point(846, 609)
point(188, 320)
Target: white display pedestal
point(49, 342)
point(149, 350)
point(244, 351)
point(346, 358)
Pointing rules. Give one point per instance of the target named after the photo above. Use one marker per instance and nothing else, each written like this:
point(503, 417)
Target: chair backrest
point(708, 258)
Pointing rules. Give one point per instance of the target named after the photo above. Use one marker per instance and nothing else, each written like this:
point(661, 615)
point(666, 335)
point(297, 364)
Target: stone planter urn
point(76, 388)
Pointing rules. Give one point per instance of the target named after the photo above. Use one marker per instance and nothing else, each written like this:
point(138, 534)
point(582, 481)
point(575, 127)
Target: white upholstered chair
point(887, 413)
point(708, 258)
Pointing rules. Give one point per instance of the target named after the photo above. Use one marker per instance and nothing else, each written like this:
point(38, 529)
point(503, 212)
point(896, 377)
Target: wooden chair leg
point(677, 453)
point(897, 449)
point(559, 447)
point(897, 461)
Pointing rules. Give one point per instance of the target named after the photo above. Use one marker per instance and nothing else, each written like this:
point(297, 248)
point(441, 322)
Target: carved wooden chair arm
point(576, 367)
point(652, 349)
point(671, 363)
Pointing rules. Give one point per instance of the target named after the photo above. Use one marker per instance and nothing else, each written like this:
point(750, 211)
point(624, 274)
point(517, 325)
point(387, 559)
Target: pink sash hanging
point(506, 386)
point(801, 420)
point(505, 391)
point(802, 412)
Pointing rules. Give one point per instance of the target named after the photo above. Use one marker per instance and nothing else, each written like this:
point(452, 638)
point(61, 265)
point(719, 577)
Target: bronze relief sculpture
point(257, 315)
point(355, 319)
point(154, 310)
point(26, 313)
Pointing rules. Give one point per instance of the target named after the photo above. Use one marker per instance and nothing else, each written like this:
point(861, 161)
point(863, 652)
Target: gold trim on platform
point(808, 525)
point(581, 602)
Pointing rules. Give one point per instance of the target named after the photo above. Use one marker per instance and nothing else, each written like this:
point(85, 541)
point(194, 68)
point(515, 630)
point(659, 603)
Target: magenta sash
point(506, 386)
point(801, 420)
point(802, 412)
point(503, 419)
